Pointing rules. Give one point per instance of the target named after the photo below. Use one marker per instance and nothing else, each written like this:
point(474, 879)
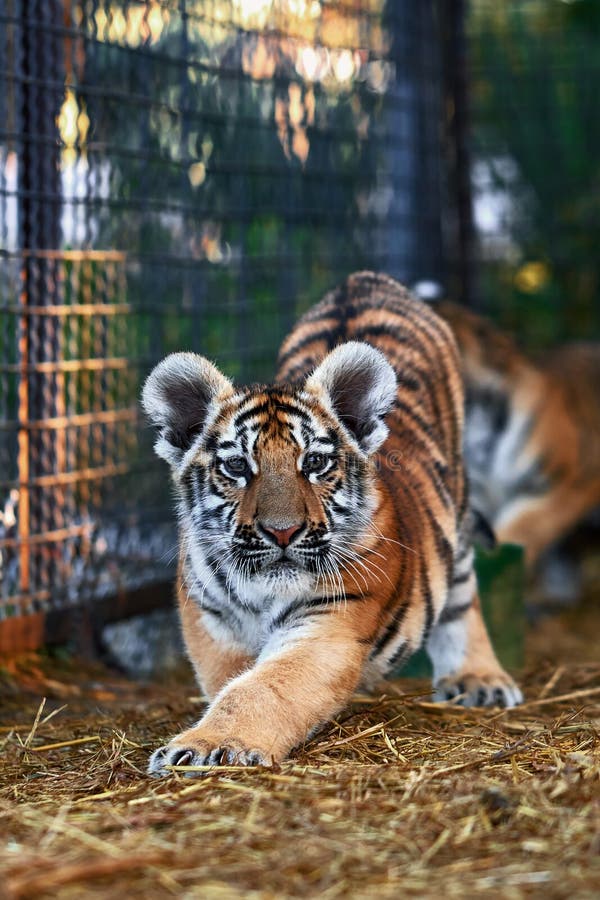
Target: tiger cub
point(532, 433)
point(325, 532)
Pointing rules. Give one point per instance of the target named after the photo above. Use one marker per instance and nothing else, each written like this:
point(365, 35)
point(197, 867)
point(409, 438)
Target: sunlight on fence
point(182, 175)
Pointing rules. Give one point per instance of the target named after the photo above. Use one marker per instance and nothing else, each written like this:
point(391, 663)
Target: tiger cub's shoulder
point(575, 367)
point(532, 436)
point(487, 352)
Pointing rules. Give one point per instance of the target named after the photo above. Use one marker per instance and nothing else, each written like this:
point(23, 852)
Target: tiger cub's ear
point(360, 388)
point(177, 397)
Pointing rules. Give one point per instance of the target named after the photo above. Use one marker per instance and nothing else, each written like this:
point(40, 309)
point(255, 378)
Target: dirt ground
point(398, 797)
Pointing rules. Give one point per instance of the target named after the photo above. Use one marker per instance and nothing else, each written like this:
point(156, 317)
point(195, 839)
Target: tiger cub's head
point(274, 484)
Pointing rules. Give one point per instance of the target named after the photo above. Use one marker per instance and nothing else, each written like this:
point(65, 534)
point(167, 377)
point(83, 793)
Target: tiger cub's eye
point(314, 462)
point(236, 465)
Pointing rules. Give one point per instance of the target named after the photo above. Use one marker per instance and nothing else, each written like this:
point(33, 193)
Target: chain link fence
point(187, 175)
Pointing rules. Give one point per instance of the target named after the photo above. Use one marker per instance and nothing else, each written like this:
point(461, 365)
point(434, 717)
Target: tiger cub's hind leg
point(465, 666)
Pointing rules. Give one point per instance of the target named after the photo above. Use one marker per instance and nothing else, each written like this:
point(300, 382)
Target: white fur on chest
point(247, 613)
point(250, 637)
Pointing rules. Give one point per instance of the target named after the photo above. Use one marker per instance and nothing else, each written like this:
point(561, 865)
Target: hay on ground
point(397, 797)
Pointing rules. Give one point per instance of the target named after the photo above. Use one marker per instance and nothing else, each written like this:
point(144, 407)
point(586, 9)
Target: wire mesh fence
point(535, 116)
point(185, 175)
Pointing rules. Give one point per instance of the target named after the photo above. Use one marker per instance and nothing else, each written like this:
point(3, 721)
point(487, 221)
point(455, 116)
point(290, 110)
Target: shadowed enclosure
point(181, 176)
point(193, 175)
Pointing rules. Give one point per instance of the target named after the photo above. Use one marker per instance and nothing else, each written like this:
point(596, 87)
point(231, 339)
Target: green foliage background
point(536, 102)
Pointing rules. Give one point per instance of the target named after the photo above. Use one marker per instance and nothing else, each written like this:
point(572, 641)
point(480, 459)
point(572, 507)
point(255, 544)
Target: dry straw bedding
point(398, 797)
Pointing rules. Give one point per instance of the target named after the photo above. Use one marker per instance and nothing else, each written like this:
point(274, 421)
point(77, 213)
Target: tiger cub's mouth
point(289, 561)
point(284, 563)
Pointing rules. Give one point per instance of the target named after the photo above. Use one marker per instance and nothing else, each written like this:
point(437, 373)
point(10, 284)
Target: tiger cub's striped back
point(325, 532)
point(423, 528)
point(376, 309)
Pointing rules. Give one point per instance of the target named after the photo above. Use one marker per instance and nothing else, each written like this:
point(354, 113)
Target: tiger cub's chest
point(249, 616)
point(247, 629)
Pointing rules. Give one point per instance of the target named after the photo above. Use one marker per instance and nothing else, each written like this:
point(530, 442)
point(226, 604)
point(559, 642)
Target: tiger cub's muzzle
point(300, 544)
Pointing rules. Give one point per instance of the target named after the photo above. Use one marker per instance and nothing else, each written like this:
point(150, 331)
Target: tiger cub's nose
point(283, 536)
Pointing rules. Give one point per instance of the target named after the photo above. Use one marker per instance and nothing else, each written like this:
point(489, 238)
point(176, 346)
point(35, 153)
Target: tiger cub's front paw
point(185, 750)
point(494, 689)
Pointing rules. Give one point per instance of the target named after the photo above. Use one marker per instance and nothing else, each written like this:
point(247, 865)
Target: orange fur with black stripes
point(532, 436)
point(325, 531)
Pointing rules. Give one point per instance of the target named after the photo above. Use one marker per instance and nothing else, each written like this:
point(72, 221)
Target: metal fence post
point(461, 238)
point(39, 230)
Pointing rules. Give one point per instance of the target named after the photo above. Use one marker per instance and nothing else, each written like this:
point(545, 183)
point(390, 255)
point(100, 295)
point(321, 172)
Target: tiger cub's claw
point(497, 689)
point(227, 753)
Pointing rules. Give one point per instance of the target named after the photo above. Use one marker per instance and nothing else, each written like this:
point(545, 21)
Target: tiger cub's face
point(274, 484)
